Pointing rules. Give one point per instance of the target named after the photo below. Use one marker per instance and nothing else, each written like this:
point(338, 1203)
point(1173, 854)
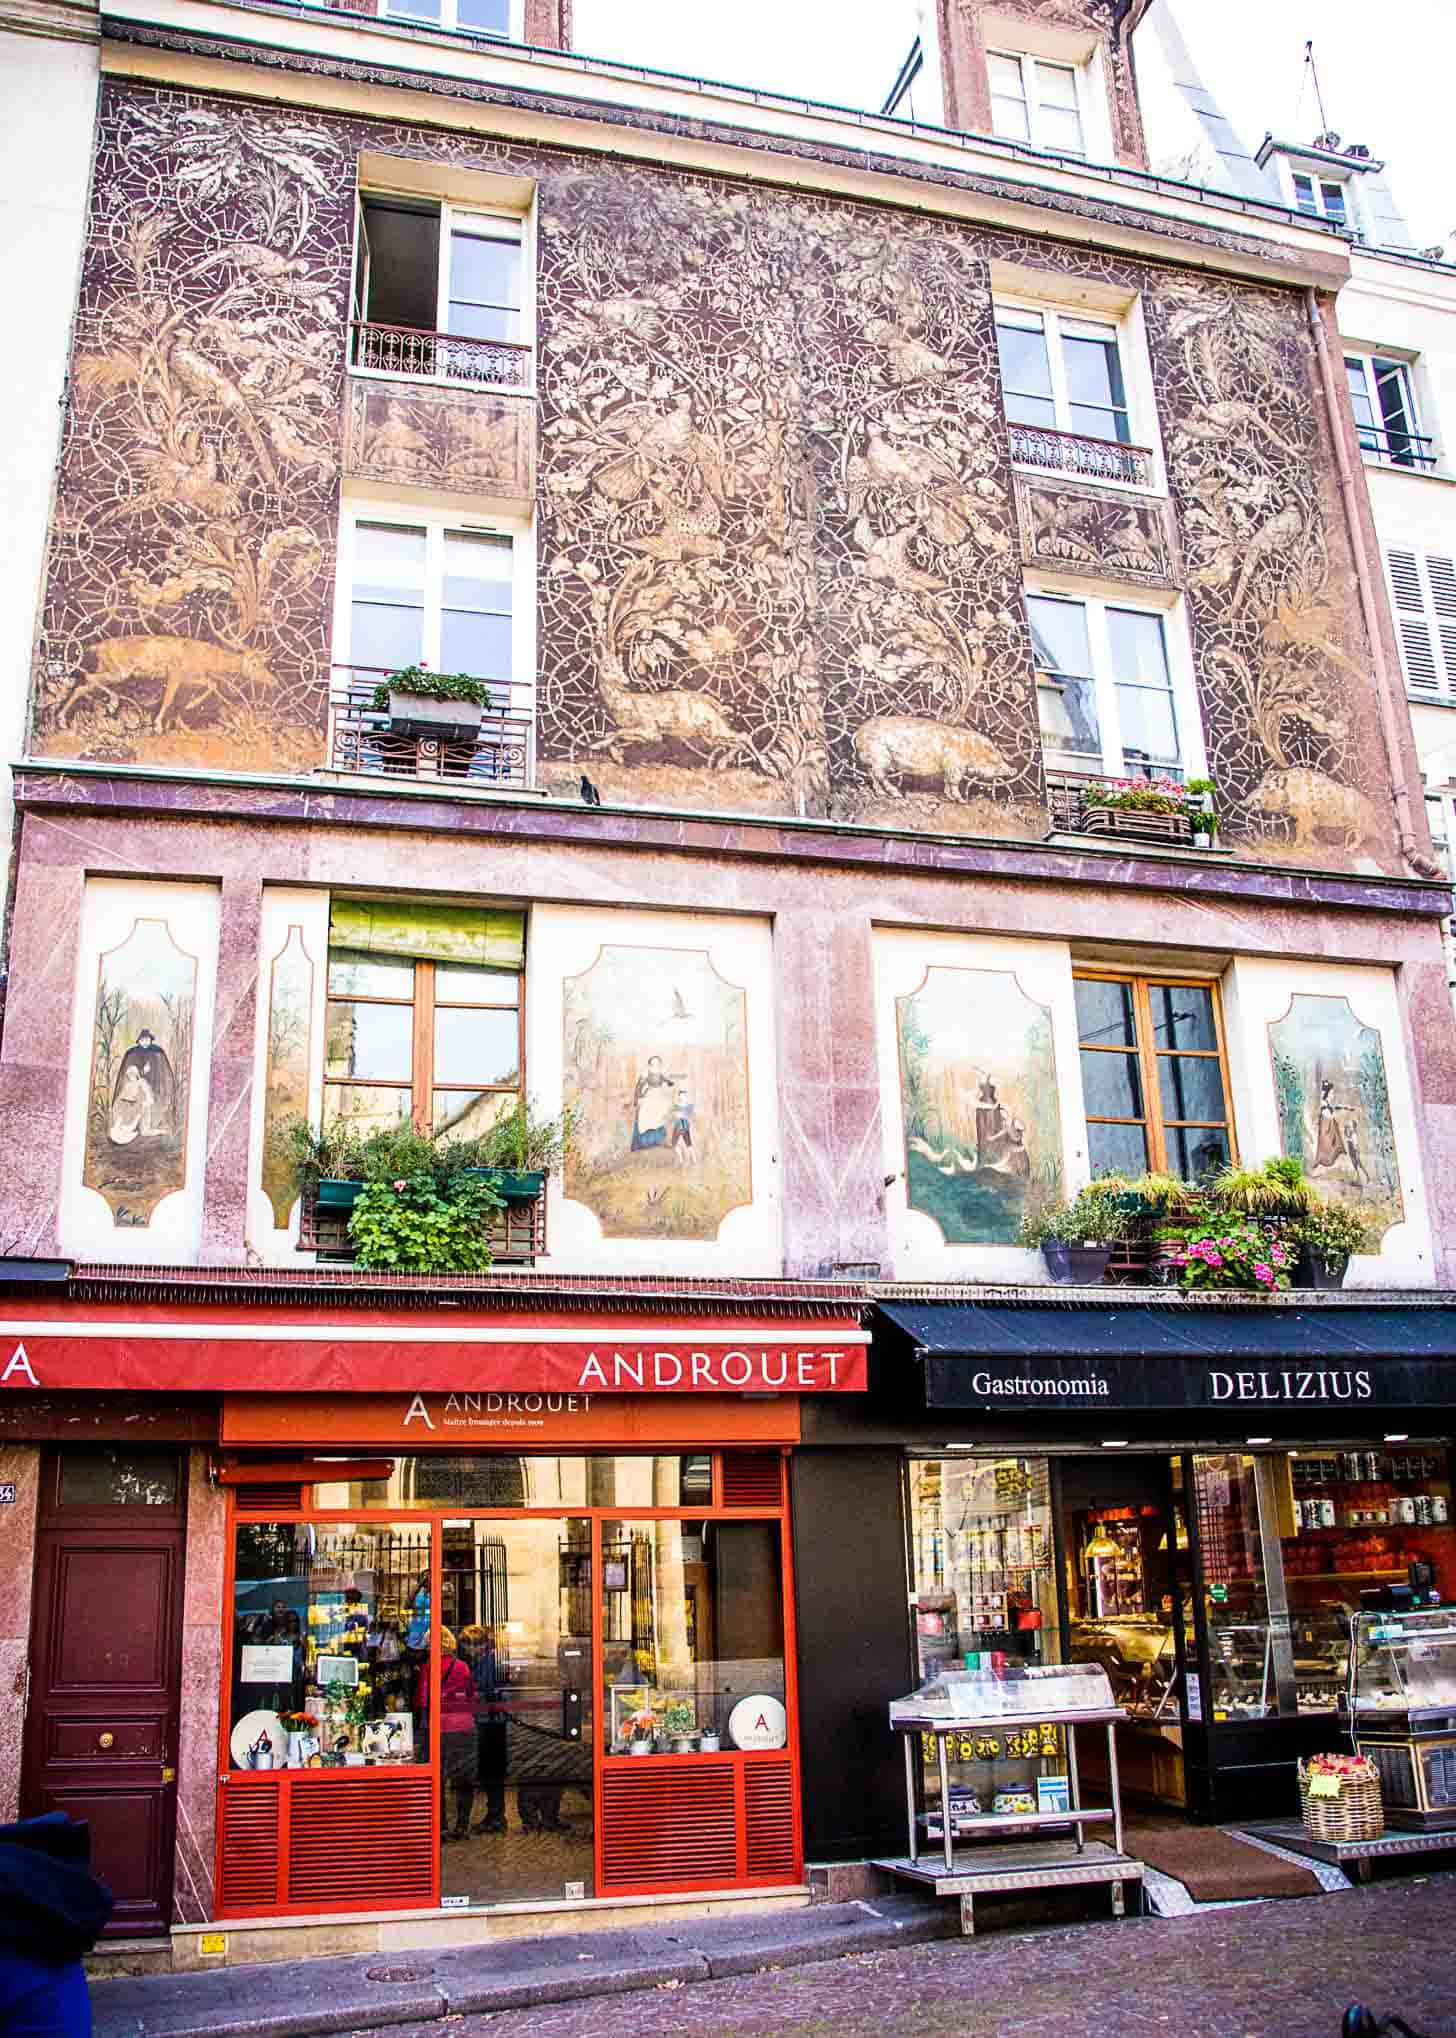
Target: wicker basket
point(1356, 1814)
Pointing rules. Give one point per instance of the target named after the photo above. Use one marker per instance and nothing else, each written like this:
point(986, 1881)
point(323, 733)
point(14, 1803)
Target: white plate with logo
point(758, 1721)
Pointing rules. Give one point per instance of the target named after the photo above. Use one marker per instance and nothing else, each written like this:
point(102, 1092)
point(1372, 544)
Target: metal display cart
point(1402, 1705)
point(982, 1703)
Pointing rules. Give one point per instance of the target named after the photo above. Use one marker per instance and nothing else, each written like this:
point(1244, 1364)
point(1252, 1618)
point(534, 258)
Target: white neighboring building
point(49, 74)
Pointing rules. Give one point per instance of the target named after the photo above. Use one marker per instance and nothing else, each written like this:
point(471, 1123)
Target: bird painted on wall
point(590, 796)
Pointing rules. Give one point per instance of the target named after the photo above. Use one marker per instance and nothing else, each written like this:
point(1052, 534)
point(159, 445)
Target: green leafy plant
point(1138, 795)
point(1091, 1218)
point(1277, 1189)
point(1204, 817)
point(338, 1152)
point(678, 1719)
point(522, 1140)
point(1333, 1230)
point(430, 686)
point(417, 1225)
point(349, 1701)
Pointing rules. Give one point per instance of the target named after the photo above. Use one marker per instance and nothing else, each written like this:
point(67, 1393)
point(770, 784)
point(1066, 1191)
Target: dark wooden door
point(106, 1637)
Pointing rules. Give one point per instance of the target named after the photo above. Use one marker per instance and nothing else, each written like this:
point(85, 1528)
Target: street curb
point(264, 2001)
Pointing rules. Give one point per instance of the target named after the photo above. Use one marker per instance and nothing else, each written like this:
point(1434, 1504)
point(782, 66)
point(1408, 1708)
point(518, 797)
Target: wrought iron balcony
point(1072, 453)
point(499, 757)
point(1396, 449)
point(1064, 805)
point(439, 357)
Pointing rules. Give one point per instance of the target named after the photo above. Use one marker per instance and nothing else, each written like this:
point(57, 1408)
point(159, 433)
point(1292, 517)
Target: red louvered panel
point(753, 1479)
point(282, 1496)
point(668, 1823)
point(359, 1842)
point(770, 1814)
point(248, 1848)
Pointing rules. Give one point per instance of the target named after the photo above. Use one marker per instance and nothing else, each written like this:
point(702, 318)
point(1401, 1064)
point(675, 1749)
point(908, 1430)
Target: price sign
point(1324, 1786)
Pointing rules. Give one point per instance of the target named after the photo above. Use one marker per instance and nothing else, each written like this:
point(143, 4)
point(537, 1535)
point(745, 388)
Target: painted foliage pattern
point(656, 1070)
point(141, 1073)
point(1334, 1106)
point(978, 1092)
point(778, 555)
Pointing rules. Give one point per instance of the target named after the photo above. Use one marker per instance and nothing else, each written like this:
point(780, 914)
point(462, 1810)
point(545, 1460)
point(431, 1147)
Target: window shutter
point(1424, 591)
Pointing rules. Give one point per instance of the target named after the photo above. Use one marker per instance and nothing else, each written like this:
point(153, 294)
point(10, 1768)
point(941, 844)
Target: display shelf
point(1325, 1577)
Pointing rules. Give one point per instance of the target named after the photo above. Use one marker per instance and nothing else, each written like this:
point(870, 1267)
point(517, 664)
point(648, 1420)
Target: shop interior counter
point(1031, 1707)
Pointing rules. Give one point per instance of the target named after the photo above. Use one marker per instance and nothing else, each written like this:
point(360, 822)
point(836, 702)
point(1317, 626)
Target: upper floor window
point(500, 18)
point(1154, 1085)
point(1383, 401)
point(1035, 101)
point(1107, 696)
point(1321, 199)
point(439, 291)
point(1423, 585)
point(1438, 815)
point(1065, 394)
point(430, 593)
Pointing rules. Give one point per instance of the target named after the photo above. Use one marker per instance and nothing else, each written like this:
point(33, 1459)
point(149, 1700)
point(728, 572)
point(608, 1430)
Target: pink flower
point(399, 1186)
point(1214, 1259)
point(1263, 1273)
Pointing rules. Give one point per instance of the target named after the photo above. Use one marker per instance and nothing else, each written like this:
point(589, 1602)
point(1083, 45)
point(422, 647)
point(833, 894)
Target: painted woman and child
point(662, 1113)
point(1000, 1147)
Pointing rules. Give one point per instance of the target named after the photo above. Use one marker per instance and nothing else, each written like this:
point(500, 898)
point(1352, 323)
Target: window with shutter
point(1423, 588)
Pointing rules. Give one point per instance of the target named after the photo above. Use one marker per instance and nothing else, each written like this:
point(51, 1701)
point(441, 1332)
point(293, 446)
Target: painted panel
point(460, 441)
point(1334, 1106)
point(978, 1091)
point(1070, 529)
point(141, 1072)
point(656, 1066)
point(285, 1086)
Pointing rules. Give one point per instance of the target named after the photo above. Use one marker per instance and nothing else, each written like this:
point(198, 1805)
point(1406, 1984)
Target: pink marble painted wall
point(20, 1466)
point(201, 1691)
point(822, 914)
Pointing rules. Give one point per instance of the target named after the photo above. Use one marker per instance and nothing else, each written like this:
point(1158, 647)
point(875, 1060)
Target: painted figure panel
point(978, 1091)
point(141, 1070)
point(656, 1068)
point(1334, 1106)
point(285, 1091)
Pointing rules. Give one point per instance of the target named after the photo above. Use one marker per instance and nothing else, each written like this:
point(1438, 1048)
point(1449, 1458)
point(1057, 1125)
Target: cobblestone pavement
point(1272, 1970)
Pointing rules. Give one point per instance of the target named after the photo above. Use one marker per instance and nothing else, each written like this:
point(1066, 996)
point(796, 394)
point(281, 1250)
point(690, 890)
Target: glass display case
point(1006, 1690)
point(1402, 1697)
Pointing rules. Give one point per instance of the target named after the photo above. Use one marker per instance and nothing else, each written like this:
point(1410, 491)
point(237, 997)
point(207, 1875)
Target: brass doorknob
point(105, 1740)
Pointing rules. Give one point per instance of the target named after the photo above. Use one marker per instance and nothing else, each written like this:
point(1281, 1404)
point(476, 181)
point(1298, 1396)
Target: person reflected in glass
point(457, 1732)
point(478, 1650)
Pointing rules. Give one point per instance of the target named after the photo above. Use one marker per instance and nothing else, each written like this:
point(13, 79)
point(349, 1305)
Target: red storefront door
point(101, 1730)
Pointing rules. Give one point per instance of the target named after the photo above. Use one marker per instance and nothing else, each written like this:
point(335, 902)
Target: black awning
point(1137, 1355)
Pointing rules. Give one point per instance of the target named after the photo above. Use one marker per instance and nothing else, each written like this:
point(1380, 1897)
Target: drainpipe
point(1384, 694)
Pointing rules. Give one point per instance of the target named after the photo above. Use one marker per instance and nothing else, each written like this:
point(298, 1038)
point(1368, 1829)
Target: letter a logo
point(20, 1364)
point(417, 1412)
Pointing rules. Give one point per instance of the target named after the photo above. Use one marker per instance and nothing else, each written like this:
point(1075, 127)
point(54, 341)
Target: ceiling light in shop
point(1260, 1440)
point(1101, 1546)
point(1113, 1443)
point(1397, 1436)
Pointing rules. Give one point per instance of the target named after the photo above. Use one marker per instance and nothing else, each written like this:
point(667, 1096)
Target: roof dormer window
point(1033, 100)
point(1321, 199)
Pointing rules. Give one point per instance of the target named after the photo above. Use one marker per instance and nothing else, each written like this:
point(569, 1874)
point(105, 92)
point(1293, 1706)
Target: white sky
point(1387, 67)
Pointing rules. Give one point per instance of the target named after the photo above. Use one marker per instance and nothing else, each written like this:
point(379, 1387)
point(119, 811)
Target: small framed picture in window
point(338, 1670)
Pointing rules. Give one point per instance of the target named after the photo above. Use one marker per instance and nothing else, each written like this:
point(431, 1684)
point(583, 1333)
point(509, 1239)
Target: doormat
point(1213, 1866)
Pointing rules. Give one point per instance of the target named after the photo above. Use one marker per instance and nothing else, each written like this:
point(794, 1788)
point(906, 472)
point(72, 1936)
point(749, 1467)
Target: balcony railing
point(500, 757)
point(1397, 449)
point(439, 357)
point(1072, 453)
point(1064, 799)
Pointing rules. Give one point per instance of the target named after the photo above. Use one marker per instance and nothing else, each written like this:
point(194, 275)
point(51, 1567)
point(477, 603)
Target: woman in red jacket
point(457, 1732)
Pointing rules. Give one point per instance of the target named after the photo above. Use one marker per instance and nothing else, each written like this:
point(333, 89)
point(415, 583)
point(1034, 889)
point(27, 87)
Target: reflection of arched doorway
point(470, 1482)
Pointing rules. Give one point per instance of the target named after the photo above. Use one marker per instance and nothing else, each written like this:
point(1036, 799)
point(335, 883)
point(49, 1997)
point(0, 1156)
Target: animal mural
point(141, 1072)
point(978, 1094)
point(1334, 1106)
point(656, 1072)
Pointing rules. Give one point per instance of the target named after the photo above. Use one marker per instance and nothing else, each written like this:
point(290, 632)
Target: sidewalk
point(289, 1999)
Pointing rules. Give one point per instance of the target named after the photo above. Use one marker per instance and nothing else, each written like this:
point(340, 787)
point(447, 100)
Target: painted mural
point(656, 1070)
point(141, 1072)
point(978, 1093)
point(285, 1078)
point(1334, 1106)
point(779, 563)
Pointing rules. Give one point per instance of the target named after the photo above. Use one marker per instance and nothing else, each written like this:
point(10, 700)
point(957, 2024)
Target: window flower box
point(517, 1185)
point(416, 714)
point(1135, 823)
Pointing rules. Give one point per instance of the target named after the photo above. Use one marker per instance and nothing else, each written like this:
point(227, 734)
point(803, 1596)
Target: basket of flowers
point(1339, 1796)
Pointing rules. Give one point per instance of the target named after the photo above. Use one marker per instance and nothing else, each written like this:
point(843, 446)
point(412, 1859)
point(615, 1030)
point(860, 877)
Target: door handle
point(105, 1740)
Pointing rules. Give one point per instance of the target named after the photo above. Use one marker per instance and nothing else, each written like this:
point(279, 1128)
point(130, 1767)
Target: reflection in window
point(501, 1479)
point(331, 1642)
point(118, 1479)
point(692, 1625)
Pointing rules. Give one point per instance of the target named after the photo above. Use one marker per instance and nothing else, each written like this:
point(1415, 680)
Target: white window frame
point(1319, 182)
point(1442, 825)
point(1132, 358)
point(1027, 61)
point(1423, 458)
point(1183, 683)
point(435, 522)
point(454, 215)
point(1423, 603)
point(515, 30)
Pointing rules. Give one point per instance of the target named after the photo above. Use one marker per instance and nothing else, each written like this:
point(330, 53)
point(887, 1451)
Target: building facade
point(828, 512)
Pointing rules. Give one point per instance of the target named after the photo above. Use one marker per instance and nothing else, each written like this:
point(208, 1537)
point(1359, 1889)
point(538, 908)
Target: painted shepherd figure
point(143, 1100)
point(652, 1106)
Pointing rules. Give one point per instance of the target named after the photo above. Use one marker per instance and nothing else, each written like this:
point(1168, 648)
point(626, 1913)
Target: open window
point(1382, 398)
point(439, 293)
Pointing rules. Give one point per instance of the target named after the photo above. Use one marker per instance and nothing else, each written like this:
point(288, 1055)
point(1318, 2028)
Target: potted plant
point(679, 1724)
point(1202, 811)
point(1277, 1190)
point(1153, 809)
point(1233, 1253)
point(520, 1150)
point(1326, 1237)
point(417, 1224)
point(1077, 1238)
point(445, 705)
point(302, 1731)
point(642, 1733)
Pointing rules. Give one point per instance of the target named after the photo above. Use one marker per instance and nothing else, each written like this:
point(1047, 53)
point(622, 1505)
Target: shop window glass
point(1120, 1573)
point(502, 1479)
point(331, 1644)
point(1235, 1590)
point(118, 1479)
point(692, 1627)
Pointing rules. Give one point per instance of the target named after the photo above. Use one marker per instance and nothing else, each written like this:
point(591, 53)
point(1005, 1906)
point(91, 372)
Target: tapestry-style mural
point(779, 562)
point(285, 1078)
point(189, 594)
point(656, 1070)
point(1334, 1106)
point(141, 1071)
point(461, 441)
point(978, 1093)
